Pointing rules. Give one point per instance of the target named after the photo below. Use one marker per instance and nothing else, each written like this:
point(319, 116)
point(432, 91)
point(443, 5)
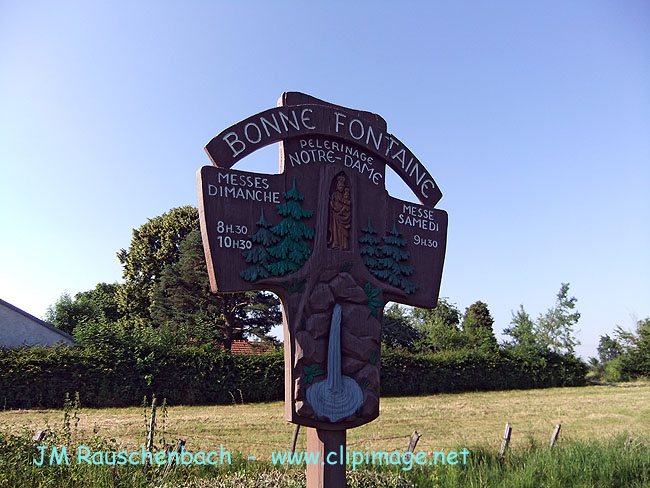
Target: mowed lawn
point(446, 421)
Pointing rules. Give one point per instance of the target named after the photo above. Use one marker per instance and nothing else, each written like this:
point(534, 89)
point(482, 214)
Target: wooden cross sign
point(326, 237)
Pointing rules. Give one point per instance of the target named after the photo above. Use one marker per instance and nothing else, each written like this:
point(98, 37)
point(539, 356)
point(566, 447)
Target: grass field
point(446, 421)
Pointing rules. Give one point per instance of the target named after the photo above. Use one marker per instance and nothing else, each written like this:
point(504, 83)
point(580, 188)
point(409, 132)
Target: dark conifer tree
point(393, 271)
point(259, 255)
point(371, 250)
point(292, 250)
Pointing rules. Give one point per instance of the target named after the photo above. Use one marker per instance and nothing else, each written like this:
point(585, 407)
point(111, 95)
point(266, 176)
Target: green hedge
point(40, 377)
point(470, 370)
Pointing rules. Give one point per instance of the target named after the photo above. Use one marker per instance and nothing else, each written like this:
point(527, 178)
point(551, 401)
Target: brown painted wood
point(330, 187)
point(330, 447)
point(300, 115)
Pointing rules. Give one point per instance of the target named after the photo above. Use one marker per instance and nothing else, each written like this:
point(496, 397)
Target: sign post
point(326, 237)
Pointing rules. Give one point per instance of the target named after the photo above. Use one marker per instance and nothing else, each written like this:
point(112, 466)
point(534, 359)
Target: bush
point(613, 370)
point(414, 374)
point(40, 377)
point(119, 377)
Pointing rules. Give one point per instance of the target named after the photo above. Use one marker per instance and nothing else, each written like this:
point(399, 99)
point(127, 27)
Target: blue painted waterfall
point(337, 396)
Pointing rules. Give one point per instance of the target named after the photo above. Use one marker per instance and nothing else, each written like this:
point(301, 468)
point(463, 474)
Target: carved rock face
point(351, 365)
point(360, 348)
point(358, 321)
point(345, 289)
point(318, 325)
point(321, 299)
point(309, 349)
point(370, 403)
point(369, 377)
point(360, 335)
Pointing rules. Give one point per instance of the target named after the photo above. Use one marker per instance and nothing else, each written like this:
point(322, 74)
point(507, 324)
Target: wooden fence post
point(296, 429)
point(554, 436)
point(180, 443)
point(39, 435)
point(413, 441)
point(506, 440)
point(294, 441)
point(152, 425)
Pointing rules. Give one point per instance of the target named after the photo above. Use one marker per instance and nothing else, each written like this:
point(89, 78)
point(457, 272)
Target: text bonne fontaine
point(264, 129)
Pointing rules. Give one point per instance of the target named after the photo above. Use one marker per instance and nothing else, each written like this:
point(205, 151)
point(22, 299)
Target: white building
point(19, 329)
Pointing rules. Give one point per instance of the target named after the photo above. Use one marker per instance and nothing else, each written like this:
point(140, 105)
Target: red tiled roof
point(247, 347)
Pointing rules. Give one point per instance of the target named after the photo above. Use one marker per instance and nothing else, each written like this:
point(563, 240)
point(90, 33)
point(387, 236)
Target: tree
point(477, 324)
point(154, 245)
point(371, 249)
point(385, 261)
point(444, 313)
point(182, 300)
point(642, 353)
point(67, 313)
point(439, 327)
point(608, 349)
point(259, 256)
point(104, 297)
point(628, 340)
point(555, 327)
point(552, 330)
point(636, 358)
point(392, 255)
point(522, 330)
point(292, 250)
point(97, 305)
point(397, 329)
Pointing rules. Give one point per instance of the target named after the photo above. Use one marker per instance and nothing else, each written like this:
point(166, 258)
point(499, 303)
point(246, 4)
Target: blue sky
point(533, 117)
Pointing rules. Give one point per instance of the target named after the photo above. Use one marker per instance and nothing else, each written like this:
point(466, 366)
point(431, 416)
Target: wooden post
point(329, 471)
point(39, 435)
point(152, 425)
point(506, 440)
point(413, 441)
point(554, 436)
point(296, 429)
point(172, 460)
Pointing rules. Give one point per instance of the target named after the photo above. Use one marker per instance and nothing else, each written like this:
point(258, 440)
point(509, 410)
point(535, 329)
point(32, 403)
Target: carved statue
point(340, 216)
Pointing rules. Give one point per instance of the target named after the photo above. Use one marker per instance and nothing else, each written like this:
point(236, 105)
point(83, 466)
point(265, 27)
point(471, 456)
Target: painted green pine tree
point(393, 255)
point(370, 250)
point(258, 255)
point(292, 251)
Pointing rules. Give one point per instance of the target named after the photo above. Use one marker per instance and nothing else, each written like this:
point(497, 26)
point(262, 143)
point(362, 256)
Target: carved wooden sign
point(326, 237)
